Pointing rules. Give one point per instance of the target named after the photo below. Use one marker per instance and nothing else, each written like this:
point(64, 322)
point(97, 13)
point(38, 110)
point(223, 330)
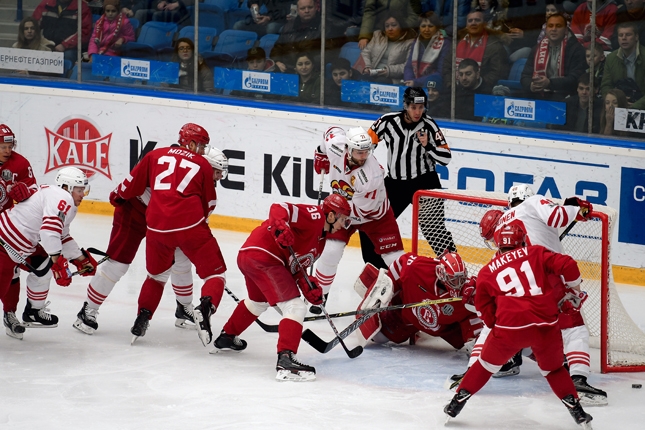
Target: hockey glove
point(572, 301)
point(19, 192)
point(313, 293)
point(283, 234)
point(468, 294)
point(85, 262)
point(115, 199)
point(61, 272)
point(321, 162)
point(585, 208)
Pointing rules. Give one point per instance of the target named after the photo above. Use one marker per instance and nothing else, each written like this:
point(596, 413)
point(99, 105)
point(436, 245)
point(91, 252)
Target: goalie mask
point(488, 223)
point(518, 193)
point(217, 160)
point(452, 272)
point(509, 237)
point(72, 177)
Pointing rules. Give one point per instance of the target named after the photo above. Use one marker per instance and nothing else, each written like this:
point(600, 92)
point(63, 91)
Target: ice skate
point(290, 369)
point(202, 315)
point(589, 396)
point(86, 320)
point(13, 327)
point(41, 318)
point(141, 325)
point(579, 415)
point(315, 309)
point(228, 342)
point(457, 403)
point(452, 382)
point(185, 316)
point(511, 368)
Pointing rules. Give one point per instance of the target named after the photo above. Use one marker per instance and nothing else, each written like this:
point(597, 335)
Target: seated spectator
point(494, 13)
point(469, 83)
point(173, 11)
point(341, 70)
point(552, 9)
point(555, 64)
point(299, 34)
point(111, 31)
point(278, 12)
point(184, 55)
point(625, 67)
point(375, 12)
point(485, 47)
point(58, 21)
point(444, 8)
point(384, 57)
point(140, 10)
point(613, 99)
point(256, 59)
point(428, 53)
point(598, 61)
point(309, 74)
point(29, 36)
point(578, 109)
point(605, 22)
point(631, 11)
point(438, 103)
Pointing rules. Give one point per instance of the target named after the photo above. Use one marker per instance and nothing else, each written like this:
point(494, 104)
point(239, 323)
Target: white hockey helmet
point(519, 192)
point(357, 138)
point(72, 177)
point(217, 159)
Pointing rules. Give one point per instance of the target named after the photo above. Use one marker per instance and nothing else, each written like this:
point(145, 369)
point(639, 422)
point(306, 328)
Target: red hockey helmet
point(510, 236)
point(193, 132)
point(6, 135)
point(337, 204)
point(489, 222)
point(452, 270)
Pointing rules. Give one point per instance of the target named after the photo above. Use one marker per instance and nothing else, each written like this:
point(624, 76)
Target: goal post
point(620, 340)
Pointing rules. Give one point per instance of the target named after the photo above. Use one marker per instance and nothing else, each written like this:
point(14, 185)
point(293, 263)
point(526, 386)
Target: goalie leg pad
point(366, 279)
point(369, 329)
point(379, 293)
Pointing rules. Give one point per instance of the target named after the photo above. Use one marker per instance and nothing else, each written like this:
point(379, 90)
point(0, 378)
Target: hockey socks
point(240, 320)
point(475, 378)
point(150, 295)
point(561, 383)
point(289, 332)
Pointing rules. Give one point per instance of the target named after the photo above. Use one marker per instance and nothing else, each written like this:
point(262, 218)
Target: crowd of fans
point(402, 42)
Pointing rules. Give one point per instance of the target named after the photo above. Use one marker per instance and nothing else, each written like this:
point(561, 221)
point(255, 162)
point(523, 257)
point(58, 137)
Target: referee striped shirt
point(406, 157)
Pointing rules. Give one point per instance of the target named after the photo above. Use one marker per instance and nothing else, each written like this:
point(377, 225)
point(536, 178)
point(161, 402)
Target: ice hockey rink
point(63, 379)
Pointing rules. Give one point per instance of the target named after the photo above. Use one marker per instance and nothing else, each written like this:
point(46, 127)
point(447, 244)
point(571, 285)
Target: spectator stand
point(280, 84)
point(153, 38)
point(206, 36)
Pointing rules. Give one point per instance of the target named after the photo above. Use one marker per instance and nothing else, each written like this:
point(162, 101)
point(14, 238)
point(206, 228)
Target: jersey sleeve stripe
point(12, 235)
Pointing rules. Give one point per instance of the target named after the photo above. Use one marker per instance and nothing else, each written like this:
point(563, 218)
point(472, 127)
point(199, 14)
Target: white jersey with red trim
point(363, 187)
point(541, 218)
point(45, 217)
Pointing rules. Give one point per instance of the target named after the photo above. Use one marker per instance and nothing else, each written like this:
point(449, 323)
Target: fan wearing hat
point(256, 60)
point(111, 31)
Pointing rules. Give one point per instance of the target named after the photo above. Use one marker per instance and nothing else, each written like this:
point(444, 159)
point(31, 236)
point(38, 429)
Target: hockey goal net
point(621, 341)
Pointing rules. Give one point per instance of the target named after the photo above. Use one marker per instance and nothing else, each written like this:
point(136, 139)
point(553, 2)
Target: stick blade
point(353, 353)
point(316, 343)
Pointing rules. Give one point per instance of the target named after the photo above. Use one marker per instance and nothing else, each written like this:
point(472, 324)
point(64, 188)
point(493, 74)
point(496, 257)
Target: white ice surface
point(63, 379)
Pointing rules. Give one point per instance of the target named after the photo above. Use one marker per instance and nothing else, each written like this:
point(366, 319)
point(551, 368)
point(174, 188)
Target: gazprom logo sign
point(384, 94)
point(135, 69)
point(256, 81)
point(519, 109)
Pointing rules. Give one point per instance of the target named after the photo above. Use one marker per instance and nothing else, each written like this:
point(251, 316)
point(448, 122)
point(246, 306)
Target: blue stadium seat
point(513, 81)
point(67, 66)
point(267, 41)
point(87, 75)
point(236, 43)
point(235, 15)
point(134, 22)
point(154, 36)
point(225, 5)
point(213, 60)
point(209, 16)
point(206, 36)
point(350, 51)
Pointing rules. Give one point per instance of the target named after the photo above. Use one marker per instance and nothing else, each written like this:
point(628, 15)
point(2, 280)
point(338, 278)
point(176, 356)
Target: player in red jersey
point(274, 278)
point(412, 279)
point(520, 305)
point(182, 196)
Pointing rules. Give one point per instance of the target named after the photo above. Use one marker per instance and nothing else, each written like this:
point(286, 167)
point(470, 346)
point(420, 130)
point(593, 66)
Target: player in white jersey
point(44, 219)
point(356, 175)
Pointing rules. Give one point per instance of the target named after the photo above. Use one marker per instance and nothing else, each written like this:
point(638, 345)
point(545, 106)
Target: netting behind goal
point(620, 340)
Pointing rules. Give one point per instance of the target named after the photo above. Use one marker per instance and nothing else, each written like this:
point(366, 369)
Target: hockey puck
point(637, 385)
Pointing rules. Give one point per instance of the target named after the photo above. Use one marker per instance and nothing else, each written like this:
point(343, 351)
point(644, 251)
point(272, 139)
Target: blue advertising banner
point(145, 70)
point(254, 81)
point(520, 110)
point(632, 206)
point(372, 94)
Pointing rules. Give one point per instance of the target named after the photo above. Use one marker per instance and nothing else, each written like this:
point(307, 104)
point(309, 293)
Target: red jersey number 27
point(513, 284)
point(172, 164)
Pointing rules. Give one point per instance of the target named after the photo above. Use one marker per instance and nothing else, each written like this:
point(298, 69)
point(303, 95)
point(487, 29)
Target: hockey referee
point(415, 144)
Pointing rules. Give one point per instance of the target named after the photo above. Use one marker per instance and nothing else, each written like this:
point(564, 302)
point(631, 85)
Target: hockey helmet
point(333, 132)
point(217, 160)
point(357, 138)
point(193, 132)
point(510, 236)
point(519, 193)
point(452, 270)
point(489, 222)
point(6, 135)
point(337, 204)
point(72, 177)
point(414, 95)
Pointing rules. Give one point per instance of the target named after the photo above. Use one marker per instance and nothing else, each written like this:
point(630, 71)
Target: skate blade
point(217, 350)
point(286, 375)
point(78, 325)
point(448, 418)
point(587, 399)
point(134, 338)
point(37, 325)
point(514, 371)
point(185, 324)
point(13, 334)
point(586, 426)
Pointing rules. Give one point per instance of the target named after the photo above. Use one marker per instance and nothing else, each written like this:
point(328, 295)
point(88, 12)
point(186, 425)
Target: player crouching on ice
point(517, 301)
point(413, 279)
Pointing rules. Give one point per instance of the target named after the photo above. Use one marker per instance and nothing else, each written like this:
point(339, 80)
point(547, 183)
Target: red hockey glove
point(283, 234)
point(468, 293)
point(313, 295)
point(86, 261)
point(585, 208)
point(62, 275)
point(572, 301)
point(19, 192)
point(321, 162)
point(115, 199)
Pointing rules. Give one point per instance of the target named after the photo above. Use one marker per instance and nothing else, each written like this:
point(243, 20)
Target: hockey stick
point(324, 347)
point(350, 353)
point(97, 252)
point(269, 328)
point(320, 187)
point(15, 254)
point(567, 230)
point(87, 269)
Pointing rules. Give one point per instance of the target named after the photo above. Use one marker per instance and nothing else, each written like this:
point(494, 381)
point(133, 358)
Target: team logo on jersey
point(7, 175)
point(352, 180)
point(427, 316)
point(3, 193)
point(77, 142)
point(447, 309)
point(305, 261)
point(343, 188)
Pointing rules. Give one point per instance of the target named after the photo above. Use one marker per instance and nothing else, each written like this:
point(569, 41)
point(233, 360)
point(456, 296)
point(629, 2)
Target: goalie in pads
point(412, 279)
